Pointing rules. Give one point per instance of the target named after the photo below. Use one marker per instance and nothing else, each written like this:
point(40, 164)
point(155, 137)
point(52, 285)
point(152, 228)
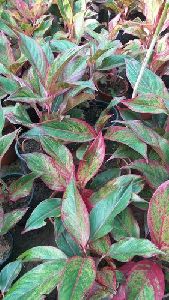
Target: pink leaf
point(92, 161)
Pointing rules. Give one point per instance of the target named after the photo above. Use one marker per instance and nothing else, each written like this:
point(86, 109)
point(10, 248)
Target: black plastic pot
point(9, 238)
point(94, 109)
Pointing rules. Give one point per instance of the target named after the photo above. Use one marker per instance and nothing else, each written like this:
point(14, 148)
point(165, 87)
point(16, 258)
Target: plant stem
point(150, 50)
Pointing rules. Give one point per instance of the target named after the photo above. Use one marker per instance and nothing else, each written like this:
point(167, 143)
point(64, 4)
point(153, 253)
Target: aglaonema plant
point(97, 235)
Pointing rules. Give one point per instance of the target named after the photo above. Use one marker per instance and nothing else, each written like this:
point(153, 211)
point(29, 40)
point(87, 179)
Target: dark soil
point(30, 146)
point(5, 247)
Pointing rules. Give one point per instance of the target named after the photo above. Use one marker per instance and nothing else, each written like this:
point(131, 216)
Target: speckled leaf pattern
point(127, 248)
point(82, 273)
point(45, 166)
point(41, 253)
point(150, 82)
point(153, 172)
point(150, 137)
point(21, 187)
point(60, 153)
point(65, 10)
point(75, 215)
point(5, 142)
point(101, 246)
point(125, 225)
point(146, 104)
point(69, 129)
point(145, 281)
point(37, 282)
point(107, 278)
point(11, 218)
point(112, 199)
point(92, 161)
point(126, 136)
point(35, 54)
point(158, 217)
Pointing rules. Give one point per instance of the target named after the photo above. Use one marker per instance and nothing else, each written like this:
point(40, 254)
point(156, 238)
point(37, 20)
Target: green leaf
point(11, 218)
point(150, 82)
point(8, 274)
point(35, 54)
point(92, 161)
point(42, 253)
point(39, 281)
point(103, 177)
point(112, 61)
point(60, 153)
point(61, 45)
point(148, 103)
point(125, 225)
point(150, 137)
point(46, 209)
point(2, 120)
point(82, 273)
point(72, 130)
point(8, 85)
point(26, 95)
point(127, 248)
point(64, 241)
point(65, 10)
point(154, 172)
point(126, 136)
point(21, 187)
point(157, 218)
point(75, 215)
point(18, 115)
point(112, 199)
point(45, 166)
point(6, 141)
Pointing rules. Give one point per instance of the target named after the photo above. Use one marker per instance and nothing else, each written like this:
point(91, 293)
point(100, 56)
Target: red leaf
point(107, 277)
point(145, 274)
point(92, 161)
point(86, 194)
point(158, 216)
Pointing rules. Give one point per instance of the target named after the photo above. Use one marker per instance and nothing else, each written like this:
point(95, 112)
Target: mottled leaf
point(92, 161)
point(42, 253)
point(146, 104)
point(75, 215)
point(127, 248)
point(37, 282)
point(158, 215)
point(21, 187)
point(61, 155)
point(65, 10)
point(126, 136)
point(101, 246)
point(150, 82)
point(46, 209)
point(145, 281)
point(111, 200)
point(11, 218)
point(153, 172)
point(35, 54)
point(68, 129)
point(125, 225)
point(45, 166)
point(82, 273)
point(6, 141)
point(103, 177)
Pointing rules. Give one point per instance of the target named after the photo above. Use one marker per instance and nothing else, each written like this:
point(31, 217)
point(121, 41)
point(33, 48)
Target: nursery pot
point(111, 85)
point(10, 156)
point(33, 146)
point(94, 110)
point(6, 247)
